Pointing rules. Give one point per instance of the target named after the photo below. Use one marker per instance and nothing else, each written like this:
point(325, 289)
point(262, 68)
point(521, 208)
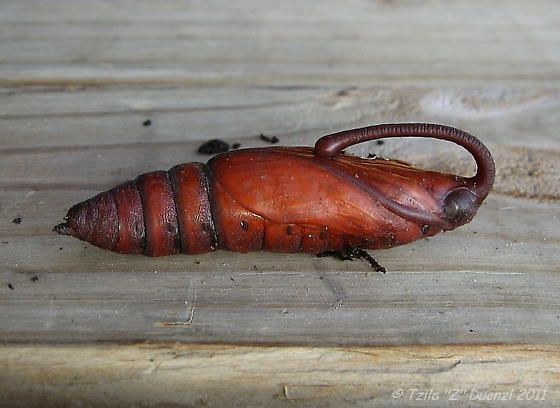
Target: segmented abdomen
point(160, 213)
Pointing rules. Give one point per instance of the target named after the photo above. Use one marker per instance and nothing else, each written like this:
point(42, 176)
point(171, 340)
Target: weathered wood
point(217, 376)
point(298, 43)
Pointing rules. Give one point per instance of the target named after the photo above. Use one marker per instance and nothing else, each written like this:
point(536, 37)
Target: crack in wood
point(192, 294)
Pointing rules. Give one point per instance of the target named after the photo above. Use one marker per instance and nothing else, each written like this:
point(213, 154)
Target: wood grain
point(216, 376)
point(203, 43)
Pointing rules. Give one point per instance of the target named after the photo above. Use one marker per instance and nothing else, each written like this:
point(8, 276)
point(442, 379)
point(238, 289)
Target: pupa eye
point(460, 206)
point(451, 210)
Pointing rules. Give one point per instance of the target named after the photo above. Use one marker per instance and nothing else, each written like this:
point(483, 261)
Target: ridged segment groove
point(178, 235)
point(206, 174)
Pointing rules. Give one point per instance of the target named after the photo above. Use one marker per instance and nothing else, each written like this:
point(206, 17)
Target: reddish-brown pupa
point(287, 199)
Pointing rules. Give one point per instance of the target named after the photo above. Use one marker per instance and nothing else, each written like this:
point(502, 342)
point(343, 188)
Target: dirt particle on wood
point(213, 146)
point(147, 122)
point(346, 91)
point(11, 286)
point(269, 139)
point(350, 253)
point(34, 278)
point(17, 220)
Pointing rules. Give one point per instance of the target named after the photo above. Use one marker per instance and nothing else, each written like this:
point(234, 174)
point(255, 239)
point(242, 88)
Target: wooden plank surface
point(77, 80)
point(493, 280)
point(296, 43)
point(217, 376)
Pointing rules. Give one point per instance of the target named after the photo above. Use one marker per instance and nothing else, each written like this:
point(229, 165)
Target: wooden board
point(77, 81)
point(217, 376)
point(203, 43)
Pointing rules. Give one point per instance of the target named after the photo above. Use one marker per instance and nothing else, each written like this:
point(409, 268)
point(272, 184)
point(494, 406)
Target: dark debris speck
point(11, 286)
point(34, 278)
point(379, 142)
point(17, 220)
point(351, 252)
point(213, 146)
point(346, 91)
point(236, 146)
point(147, 123)
point(269, 139)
